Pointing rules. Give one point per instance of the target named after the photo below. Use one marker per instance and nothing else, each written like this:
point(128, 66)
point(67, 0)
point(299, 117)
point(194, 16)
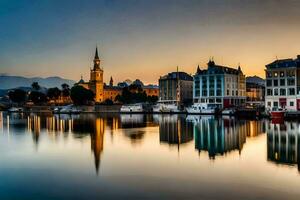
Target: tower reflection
point(85, 125)
point(283, 143)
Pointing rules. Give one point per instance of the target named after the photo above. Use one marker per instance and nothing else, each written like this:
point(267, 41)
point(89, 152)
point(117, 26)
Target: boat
point(166, 107)
point(277, 113)
point(15, 109)
point(201, 108)
point(132, 108)
point(228, 111)
point(69, 109)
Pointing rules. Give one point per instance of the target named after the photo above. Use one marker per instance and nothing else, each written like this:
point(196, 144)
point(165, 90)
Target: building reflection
point(220, 136)
point(1, 122)
point(283, 143)
point(174, 129)
point(86, 125)
point(97, 141)
point(137, 121)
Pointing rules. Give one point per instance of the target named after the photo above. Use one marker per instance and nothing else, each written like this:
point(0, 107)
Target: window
point(291, 81)
point(291, 73)
point(219, 92)
point(275, 103)
point(211, 92)
point(269, 92)
point(228, 92)
point(269, 103)
point(275, 83)
point(204, 92)
point(276, 92)
point(211, 82)
point(291, 103)
point(281, 74)
point(282, 92)
point(291, 91)
point(275, 74)
point(282, 82)
point(269, 82)
point(269, 74)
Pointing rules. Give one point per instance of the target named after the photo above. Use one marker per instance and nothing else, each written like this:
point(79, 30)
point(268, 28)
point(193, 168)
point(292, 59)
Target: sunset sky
point(144, 38)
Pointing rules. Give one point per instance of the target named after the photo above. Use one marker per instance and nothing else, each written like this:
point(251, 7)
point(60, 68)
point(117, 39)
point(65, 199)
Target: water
point(147, 156)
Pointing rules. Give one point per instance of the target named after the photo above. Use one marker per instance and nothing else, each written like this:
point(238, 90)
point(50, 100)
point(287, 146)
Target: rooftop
point(284, 63)
point(212, 68)
point(179, 75)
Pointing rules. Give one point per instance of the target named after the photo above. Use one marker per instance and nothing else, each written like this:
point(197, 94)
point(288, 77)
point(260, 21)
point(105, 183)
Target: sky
point(144, 39)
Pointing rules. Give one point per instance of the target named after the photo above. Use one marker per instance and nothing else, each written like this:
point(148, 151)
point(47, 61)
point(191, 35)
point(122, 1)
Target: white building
point(219, 86)
point(283, 84)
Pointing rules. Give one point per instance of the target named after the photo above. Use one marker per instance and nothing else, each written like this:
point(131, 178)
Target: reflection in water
point(97, 141)
point(174, 129)
point(283, 143)
point(216, 136)
point(219, 136)
point(82, 140)
point(1, 122)
point(222, 135)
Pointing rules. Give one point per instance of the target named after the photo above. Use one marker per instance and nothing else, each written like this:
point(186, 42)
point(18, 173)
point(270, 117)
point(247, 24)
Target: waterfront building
point(283, 84)
point(219, 86)
point(177, 87)
point(96, 79)
point(151, 90)
point(255, 90)
point(111, 91)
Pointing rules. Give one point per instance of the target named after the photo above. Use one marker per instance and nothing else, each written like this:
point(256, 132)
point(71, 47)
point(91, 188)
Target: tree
point(134, 94)
point(35, 86)
point(17, 96)
point(81, 95)
point(65, 90)
point(53, 93)
point(37, 97)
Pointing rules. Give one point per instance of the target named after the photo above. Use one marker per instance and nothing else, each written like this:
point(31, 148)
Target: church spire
point(96, 60)
point(96, 53)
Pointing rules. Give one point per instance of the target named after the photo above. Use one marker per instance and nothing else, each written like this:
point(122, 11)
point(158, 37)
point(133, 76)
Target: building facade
point(102, 91)
point(283, 84)
point(219, 86)
point(255, 92)
point(177, 87)
point(96, 83)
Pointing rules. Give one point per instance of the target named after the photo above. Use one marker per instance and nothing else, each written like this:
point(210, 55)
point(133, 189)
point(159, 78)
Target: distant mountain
point(255, 79)
point(9, 82)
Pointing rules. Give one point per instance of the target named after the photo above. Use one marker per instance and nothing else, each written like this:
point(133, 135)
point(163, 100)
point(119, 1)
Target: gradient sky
point(144, 38)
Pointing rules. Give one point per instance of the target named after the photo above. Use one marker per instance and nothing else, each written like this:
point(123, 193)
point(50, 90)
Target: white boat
point(14, 109)
point(129, 108)
point(201, 108)
point(166, 107)
point(69, 109)
point(228, 111)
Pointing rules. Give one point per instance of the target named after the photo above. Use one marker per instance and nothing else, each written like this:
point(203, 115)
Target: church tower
point(96, 79)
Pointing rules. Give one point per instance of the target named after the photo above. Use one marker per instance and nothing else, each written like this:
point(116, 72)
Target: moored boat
point(132, 108)
point(166, 107)
point(201, 108)
point(15, 109)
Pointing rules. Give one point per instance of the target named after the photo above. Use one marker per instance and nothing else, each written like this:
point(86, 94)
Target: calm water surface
point(147, 157)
